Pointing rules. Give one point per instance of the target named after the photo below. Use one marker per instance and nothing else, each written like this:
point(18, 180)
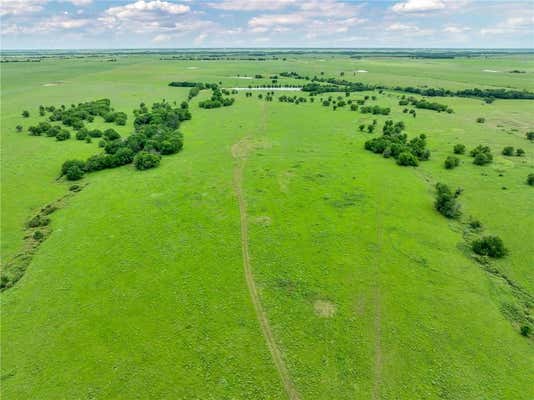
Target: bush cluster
point(451, 162)
point(459, 148)
point(482, 155)
point(75, 115)
point(394, 143)
point(491, 246)
point(446, 203)
point(217, 100)
point(375, 110)
point(156, 133)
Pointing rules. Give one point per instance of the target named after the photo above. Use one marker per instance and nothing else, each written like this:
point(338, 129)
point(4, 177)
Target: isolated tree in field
point(508, 151)
point(530, 135)
point(530, 179)
point(520, 152)
point(19, 128)
point(481, 120)
point(491, 246)
point(25, 113)
point(451, 162)
point(459, 148)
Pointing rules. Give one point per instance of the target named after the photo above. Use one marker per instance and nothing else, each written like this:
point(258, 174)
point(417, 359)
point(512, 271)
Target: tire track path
point(240, 152)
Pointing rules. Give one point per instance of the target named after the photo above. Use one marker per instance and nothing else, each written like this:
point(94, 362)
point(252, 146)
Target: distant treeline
point(17, 60)
point(324, 85)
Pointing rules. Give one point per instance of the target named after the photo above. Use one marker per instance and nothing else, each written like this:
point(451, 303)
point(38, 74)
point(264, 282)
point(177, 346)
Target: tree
point(491, 246)
point(530, 135)
point(145, 160)
point(525, 330)
point(111, 134)
point(407, 159)
point(19, 128)
point(520, 152)
point(482, 155)
point(530, 179)
point(481, 120)
point(81, 134)
point(72, 163)
point(459, 148)
point(508, 151)
point(63, 135)
point(26, 114)
point(446, 203)
point(74, 173)
point(452, 162)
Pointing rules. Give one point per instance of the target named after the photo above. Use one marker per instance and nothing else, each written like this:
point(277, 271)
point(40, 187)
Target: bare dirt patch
point(324, 308)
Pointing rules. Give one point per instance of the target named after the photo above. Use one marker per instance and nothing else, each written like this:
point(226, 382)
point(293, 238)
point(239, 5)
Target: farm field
point(274, 256)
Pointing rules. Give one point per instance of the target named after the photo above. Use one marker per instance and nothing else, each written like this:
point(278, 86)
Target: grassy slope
point(139, 290)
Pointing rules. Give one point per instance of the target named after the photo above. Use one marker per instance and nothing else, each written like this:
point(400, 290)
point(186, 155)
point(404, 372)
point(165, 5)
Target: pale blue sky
point(48, 24)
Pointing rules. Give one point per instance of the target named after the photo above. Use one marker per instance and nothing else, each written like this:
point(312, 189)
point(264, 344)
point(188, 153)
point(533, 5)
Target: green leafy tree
point(491, 246)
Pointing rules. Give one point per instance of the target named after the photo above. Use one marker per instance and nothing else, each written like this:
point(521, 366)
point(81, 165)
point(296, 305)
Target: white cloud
point(161, 38)
point(80, 3)
point(53, 24)
point(143, 9)
point(20, 7)
point(251, 5)
point(276, 19)
point(408, 30)
point(144, 16)
point(511, 25)
point(417, 6)
point(456, 29)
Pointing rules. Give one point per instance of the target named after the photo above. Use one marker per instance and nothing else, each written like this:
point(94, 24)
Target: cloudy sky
point(34, 24)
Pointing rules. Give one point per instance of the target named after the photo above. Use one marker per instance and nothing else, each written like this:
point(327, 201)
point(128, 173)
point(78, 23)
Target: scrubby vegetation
point(491, 246)
point(156, 133)
point(446, 203)
point(394, 143)
point(451, 162)
point(459, 149)
point(482, 155)
point(217, 99)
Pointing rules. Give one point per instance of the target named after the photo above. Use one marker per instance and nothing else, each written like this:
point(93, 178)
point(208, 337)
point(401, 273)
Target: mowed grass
point(139, 292)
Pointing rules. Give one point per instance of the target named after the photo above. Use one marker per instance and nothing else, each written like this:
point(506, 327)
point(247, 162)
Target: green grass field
point(140, 290)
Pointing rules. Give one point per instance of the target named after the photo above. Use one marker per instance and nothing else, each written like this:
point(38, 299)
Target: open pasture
point(360, 287)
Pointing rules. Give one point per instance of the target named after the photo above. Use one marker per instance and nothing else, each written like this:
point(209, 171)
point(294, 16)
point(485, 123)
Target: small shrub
point(19, 128)
point(82, 134)
point(520, 152)
point(530, 135)
point(525, 330)
point(475, 224)
point(145, 160)
point(508, 151)
point(38, 235)
point(530, 179)
point(74, 173)
point(38, 221)
point(459, 148)
point(63, 135)
point(452, 162)
point(75, 188)
point(71, 163)
point(407, 159)
point(446, 203)
point(491, 246)
point(25, 114)
point(481, 120)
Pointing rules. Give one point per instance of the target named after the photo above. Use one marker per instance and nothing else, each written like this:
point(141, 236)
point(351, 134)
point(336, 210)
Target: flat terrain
point(350, 284)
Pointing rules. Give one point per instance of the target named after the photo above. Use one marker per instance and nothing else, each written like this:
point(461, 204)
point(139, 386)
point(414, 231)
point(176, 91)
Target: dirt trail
point(240, 152)
point(377, 387)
